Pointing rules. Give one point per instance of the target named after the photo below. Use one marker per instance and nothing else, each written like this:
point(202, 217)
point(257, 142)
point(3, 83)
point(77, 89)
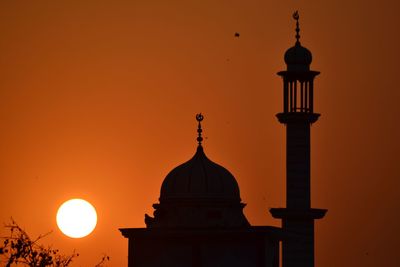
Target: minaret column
point(298, 115)
point(298, 164)
point(298, 216)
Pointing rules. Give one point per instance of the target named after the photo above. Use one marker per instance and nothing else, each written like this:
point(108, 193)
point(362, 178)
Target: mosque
point(199, 220)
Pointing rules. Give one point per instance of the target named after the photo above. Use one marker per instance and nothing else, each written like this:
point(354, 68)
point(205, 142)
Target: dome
point(198, 194)
point(298, 58)
point(199, 179)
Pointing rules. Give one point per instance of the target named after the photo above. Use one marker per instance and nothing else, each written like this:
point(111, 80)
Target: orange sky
point(98, 101)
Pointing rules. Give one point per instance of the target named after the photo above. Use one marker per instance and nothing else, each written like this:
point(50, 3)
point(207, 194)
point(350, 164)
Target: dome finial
point(296, 17)
point(199, 118)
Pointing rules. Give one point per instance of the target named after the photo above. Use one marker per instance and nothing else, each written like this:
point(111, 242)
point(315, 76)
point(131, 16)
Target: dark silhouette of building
point(199, 219)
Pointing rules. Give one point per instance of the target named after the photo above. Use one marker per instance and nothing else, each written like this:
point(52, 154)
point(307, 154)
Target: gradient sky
point(98, 101)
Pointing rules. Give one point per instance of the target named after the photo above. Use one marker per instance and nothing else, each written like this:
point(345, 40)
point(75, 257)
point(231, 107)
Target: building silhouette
point(199, 220)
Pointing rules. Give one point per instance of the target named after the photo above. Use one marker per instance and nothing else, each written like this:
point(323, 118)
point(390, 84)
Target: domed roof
point(198, 193)
point(298, 58)
point(200, 179)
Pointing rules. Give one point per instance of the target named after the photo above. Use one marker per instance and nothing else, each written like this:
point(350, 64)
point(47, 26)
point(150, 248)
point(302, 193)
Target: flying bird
point(237, 35)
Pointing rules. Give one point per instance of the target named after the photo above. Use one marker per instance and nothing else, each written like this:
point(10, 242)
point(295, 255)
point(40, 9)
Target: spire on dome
point(296, 17)
point(199, 118)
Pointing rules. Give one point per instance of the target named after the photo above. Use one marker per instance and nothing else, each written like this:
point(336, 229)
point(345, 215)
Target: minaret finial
point(199, 118)
point(296, 17)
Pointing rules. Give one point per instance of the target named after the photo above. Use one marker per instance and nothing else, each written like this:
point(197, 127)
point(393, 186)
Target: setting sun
point(76, 218)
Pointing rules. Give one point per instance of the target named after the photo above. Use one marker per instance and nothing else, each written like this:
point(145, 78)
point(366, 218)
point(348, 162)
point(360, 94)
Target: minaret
point(298, 115)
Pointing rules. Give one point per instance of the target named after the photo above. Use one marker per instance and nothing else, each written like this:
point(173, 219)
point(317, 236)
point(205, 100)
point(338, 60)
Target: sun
point(76, 218)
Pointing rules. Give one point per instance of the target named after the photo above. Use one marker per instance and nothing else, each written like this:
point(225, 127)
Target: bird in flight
point(237, 35)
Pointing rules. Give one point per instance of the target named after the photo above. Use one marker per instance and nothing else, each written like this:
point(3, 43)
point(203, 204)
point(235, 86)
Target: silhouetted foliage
point(103, 260)
point(18, 248)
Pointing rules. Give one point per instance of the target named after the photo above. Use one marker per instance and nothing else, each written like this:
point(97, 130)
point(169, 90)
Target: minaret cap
point(298, 58)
